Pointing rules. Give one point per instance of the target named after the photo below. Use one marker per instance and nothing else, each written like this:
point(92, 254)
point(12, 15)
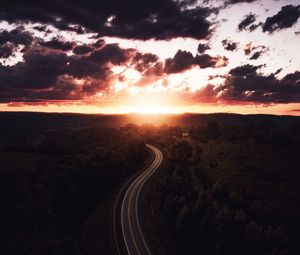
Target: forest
point(232, 188)
point(53, 177)
point(229, 184)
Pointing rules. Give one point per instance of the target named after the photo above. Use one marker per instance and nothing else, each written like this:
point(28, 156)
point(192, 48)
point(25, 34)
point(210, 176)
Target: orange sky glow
point(239, 58)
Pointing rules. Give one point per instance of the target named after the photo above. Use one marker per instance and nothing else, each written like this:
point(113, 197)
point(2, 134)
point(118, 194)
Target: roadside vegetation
point(233, 188)
point(53, 180)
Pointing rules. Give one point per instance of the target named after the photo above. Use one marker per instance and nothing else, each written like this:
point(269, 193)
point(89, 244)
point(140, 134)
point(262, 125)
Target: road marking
point(130, 217)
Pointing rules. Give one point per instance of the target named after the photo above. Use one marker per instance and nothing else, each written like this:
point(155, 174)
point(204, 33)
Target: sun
point(150, 103)
point(147, 109)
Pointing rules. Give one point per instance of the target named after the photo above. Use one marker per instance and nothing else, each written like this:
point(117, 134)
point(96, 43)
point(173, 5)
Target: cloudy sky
point(174, 56)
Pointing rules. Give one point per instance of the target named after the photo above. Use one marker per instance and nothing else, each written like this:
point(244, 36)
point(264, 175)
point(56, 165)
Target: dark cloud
point(256, 55)
point(58, 44)
point(230, 45)
point(36, 72)
point(111, 53)
point(245, 84)
point(45, 75)
point(61, 25)
point(294, 77)
point(278, 71)
point(136, 19)
point(54, 75)
point(254, 26)
point(42, 28)
point(285, 18)
point(16, 36)
point(98, 44)
point(82, 49)
point(6, 50)
point(144, 61)
point(150, 68)
point(247, 23)
point(259, 50)
point(202, 47)
point(244, 70)
point(97, 65)
point(184, 60)
point(205, 61)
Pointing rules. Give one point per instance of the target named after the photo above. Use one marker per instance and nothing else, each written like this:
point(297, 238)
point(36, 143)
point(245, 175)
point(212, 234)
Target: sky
point(159, 56)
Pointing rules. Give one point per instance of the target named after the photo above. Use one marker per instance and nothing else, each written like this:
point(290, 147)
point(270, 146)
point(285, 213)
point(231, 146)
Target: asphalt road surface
point(128, 231)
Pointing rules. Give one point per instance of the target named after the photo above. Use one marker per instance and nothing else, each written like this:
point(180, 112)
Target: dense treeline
point(233, 189)
point(44, 204)
point(230, 183)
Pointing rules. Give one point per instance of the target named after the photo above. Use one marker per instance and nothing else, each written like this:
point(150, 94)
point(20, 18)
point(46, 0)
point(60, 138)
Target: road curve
point(127, 226)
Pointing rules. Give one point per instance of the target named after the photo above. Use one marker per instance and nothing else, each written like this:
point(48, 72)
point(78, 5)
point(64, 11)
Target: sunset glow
point(235, 56)
point(150, 127)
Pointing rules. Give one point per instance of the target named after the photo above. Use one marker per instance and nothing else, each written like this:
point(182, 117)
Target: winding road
point(128, 231)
